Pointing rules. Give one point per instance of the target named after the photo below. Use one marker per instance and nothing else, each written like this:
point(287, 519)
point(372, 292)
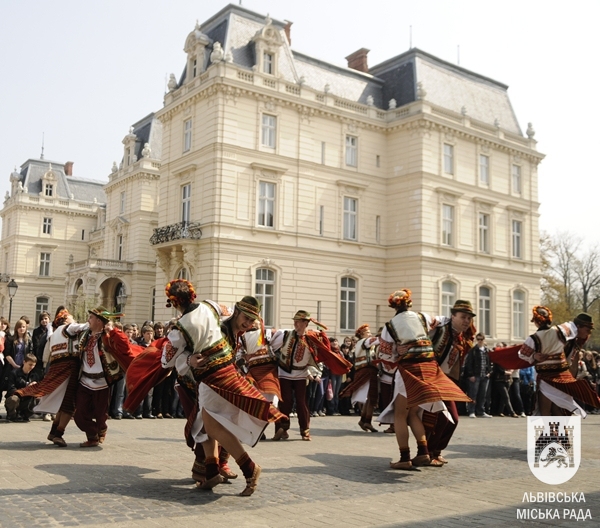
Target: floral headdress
point(400, 298)
point(362, 329)
point(542, 316)
point(175, 300)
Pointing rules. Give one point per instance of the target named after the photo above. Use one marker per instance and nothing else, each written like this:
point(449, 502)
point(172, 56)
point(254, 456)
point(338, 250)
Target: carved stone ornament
point(172, 84)
point(114, 168)
point(352, 128)
point(229, 57)
point(217, 53)
point(370, 100)
point(326, 88)
point(497, 123)
point(392, 104)
point(530, 131)
point(421, 93)
point(146, 151)
point(463, 110)
point(270, 106)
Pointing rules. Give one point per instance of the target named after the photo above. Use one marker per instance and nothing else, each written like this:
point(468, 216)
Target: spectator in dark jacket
point(477, 370)
point(20, 409)
point(39, 337)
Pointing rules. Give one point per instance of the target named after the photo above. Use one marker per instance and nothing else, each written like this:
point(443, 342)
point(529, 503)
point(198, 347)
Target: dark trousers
point(515, 396)
point(443, 430)
point(477, 392)
point(92, 410)
point(289, 388)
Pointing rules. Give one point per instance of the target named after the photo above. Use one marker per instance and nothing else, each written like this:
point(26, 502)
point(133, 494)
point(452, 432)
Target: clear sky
point(82, 73)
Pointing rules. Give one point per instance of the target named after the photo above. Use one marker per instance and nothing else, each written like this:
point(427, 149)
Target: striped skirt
point(564, 381)
point(362, 377)
point(265, 378)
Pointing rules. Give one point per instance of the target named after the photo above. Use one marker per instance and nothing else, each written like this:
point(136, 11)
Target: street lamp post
point(12, 290)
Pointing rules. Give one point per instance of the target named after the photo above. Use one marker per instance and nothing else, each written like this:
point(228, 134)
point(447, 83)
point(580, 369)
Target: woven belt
point(90, 375)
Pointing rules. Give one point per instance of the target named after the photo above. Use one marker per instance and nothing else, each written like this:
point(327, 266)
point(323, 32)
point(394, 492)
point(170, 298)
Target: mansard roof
point(446, 85)
point(148, 130)
point(32, 174)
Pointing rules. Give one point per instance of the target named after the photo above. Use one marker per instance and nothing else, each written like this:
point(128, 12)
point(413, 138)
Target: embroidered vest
point(288, 352)
point(363, 356)
point(409, 331)
point(256, 349)
point(110, 366)
point(551, 342)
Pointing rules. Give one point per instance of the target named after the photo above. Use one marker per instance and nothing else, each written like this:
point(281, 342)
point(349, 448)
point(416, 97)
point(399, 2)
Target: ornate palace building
point(320, 187)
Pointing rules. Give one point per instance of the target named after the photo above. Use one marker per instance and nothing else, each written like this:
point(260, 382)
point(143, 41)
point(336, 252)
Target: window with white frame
point(484, 317)
point(269, 131)
point(122, 203)
point(47, 226)
point(448, 158)
point(518, 313)
point(448, 297)
point(264, 291)
point(48, 190)
point(194, 67)
point(186, 203)
point(119, 247)
point(516, 179)
point(348, 304)
point(183, 274)
point(352, 151)
point(517, 232)
point(187, 135)
point(42, 304)
point(266, 204)
point(484, 233)
point(484, 169)
point(268, 65)
point(447, 225)
point(350, 218)
point(44, 264)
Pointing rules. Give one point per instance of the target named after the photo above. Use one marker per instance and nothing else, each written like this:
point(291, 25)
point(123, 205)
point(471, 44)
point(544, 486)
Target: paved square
point(142, 477)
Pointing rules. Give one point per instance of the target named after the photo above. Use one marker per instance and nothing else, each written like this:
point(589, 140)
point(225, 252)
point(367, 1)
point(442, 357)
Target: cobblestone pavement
point(141, 477)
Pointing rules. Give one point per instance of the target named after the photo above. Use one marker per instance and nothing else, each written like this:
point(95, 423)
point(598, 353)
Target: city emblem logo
point(554, 447)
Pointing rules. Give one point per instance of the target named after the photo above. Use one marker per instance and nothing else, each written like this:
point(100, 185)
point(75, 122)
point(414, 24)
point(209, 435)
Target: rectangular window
point(42, 304)
point(44, 264)
point(484, 233)
point(47, 226)
point(448, 159)
point(517, 231)
point(447, 225)
point(265, 293)
point(378, 161)
point(269, 130)
point(448, 297)
point(266, 204)
point(49, 190)
point(351, 151)
point(322, 156)
point(194, 67)
point(378, 229)
point(186, 202)
point(83, 234)
point(122, 203)
point(519, 314)
point(321, 220)
point(484, 317)
point(516, 179)
point(350, 218)
point(187, 135)
point(120, 247)
point(484, 169)
point(348, 304)
point(268, 63)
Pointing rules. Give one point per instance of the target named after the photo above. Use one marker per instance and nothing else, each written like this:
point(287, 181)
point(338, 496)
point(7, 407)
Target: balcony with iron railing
point(179, 231)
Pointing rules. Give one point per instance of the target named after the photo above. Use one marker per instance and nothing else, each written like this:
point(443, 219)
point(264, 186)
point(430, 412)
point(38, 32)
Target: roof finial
point(42, 154)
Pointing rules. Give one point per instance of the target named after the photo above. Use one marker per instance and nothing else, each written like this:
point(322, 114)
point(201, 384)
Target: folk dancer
point(387, 371)
point(452, 338)
point(105, 356)
point(419, 382)
point(58, 388)
point(229, 410)
point(296, 350)
point(557, 387)
point(364, 387)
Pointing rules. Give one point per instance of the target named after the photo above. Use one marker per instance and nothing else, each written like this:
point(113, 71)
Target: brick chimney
point(288, 28)
point(358, 60)
point(69, 168)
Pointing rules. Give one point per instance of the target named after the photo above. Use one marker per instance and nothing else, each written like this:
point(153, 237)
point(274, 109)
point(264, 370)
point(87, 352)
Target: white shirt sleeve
point(277, 340)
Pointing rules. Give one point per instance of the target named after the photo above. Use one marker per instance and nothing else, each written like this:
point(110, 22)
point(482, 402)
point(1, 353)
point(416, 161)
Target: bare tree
point(587, 272)
point(562, 255)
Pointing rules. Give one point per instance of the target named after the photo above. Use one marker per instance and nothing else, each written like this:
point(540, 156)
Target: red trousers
point(91, 410)
point(289, 388)
point(443, 430)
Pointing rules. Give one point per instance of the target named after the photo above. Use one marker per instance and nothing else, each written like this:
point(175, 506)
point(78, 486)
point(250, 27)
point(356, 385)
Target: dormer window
point(195, 46)
point(268, 63)
point(49, 190)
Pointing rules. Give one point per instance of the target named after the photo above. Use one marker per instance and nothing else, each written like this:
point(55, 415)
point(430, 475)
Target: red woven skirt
point(265, 379)
point(228, 383)
point(425, 383)
point(362, 376)
point(565, 382)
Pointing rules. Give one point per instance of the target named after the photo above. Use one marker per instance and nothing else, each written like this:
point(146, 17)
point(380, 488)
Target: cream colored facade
point(312, 186)
point(233, 134)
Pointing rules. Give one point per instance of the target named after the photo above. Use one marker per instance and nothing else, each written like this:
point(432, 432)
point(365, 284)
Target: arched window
point(183, 274)
point(484, 317)
point(264, 290)
point(348, 304)
point(42, 304)
point(518, 314)
point(448, 297)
